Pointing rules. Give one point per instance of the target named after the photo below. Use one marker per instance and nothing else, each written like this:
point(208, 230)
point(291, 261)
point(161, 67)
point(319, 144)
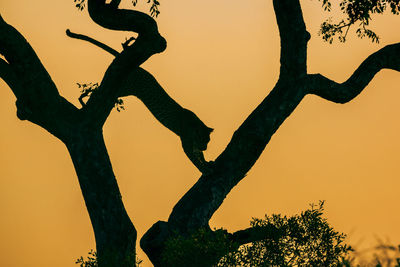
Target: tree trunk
point(114, 232)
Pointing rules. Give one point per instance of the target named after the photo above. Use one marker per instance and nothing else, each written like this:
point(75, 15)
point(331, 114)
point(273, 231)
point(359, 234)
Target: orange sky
point(222, 60)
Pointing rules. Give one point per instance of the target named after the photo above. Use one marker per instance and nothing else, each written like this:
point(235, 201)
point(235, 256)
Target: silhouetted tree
point(80, 129)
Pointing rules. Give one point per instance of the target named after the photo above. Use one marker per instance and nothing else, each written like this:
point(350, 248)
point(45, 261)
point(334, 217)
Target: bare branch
point(110, 50)
point(294, 37)
point(25, 64)
point(385, 58)
point(38, 99)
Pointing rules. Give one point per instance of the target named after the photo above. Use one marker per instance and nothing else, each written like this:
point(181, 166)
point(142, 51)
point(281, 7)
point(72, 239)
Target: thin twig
point(110, 50)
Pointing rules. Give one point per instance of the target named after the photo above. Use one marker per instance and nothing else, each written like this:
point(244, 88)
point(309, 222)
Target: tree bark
point(114, 232)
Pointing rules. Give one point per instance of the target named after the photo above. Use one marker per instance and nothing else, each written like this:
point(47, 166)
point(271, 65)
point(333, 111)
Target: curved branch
point(110, 17)
point(385, 58)
point(103, 46)
point(148, 43)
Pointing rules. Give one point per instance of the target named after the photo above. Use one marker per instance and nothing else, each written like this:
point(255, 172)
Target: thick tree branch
point(294, 37)
point(38, 99)
point(385, 58)
point(110, 17)
point(143, 85)
point(110, 50)
point(25, 64)
point(148, 43)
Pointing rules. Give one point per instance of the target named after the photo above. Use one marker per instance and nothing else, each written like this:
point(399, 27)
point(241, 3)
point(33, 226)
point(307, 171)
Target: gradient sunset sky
point(222, 60)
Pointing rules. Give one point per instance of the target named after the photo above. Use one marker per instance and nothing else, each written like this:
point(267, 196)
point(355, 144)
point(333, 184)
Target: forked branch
point(148, 43)
point(195, 209)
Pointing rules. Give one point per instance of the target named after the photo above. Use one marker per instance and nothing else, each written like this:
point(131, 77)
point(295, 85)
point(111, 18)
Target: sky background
point(222, 60)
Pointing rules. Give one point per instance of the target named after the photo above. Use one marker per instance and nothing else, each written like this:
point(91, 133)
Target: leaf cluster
point(301, 240)
point(91, 260)
point(80, 4)
point(356, 12)
point(304, 240)
point(88, 88)
point(154, 11)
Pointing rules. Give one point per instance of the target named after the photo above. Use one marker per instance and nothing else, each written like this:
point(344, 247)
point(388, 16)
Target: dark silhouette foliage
point(356, 12)
point(300, 240)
